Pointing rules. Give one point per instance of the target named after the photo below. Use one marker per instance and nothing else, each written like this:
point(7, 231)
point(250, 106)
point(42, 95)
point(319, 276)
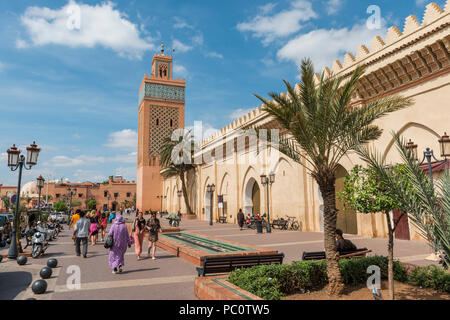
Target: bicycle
point(292, 223)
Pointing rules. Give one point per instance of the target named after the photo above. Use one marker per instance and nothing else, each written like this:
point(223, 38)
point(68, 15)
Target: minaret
point(161, 110)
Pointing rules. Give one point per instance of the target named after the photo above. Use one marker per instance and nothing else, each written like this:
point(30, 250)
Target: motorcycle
point(40, 243)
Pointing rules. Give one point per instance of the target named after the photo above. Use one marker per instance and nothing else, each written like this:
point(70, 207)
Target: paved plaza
point(167, 277)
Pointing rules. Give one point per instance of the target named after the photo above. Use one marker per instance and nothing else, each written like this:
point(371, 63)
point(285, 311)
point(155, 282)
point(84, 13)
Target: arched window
point(157, 122)
point(171, 123)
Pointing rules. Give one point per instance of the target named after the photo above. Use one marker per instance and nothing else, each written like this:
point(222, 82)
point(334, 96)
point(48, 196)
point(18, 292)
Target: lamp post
point(211, 188)
point(179, 193)
point(40, 185)
point(70, 193)
point(268, 181)
point(17, 161)
point(161, 197)
point(428, 154)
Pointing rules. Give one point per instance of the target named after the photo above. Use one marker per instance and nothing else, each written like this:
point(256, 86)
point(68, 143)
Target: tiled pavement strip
point(170, 277)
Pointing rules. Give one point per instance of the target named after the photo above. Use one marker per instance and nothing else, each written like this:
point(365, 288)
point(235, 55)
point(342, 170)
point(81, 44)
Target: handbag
point(109, 243)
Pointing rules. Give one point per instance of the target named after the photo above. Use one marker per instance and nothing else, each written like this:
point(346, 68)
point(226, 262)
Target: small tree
point(365, 193)
point(60, 206)
point(91, 204)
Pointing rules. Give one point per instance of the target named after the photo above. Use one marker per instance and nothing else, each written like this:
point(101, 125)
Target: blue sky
point(74, 88)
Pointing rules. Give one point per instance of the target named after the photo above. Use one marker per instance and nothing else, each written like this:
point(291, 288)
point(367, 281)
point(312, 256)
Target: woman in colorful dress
point(103, 224)
point(93, 219)
point(139, 228)
point(121, 241)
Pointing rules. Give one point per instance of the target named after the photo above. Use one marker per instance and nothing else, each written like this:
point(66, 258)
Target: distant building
point(109, 195)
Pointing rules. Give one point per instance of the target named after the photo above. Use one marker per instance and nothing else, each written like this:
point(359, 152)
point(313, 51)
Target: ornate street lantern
point(40, 182)
point(272, 177)
point(263, 179)
point(445, 146)
point(413, 148)
point(13, 156)
point(32, 154)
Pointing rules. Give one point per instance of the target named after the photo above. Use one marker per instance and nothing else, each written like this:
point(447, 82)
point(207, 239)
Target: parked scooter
point(40, 243)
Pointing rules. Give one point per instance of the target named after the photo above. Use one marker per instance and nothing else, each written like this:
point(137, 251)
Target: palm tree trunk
point(185, 195)
point(390, 257)
point(335, 281)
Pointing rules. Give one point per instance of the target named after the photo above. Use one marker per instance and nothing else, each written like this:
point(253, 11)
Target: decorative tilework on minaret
point(161, 110)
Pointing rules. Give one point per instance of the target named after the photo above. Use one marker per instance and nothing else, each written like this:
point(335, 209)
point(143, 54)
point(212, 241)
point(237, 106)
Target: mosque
point(413, 62)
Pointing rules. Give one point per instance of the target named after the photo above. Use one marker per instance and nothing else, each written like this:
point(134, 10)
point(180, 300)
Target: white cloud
point(88, 175)
point(333, 6)
point(198, 39)
point(180, 47)
point(82, 160)
point(420, 3)
point(282, 24)
point(201, 130)
point(238, 113)
point(125, 139)
point(180, 71)
point(94, 25)
point(128, 173)
point(325, 46)
point(181, 24)
point(213, 54)
point(125, 158)
point(3, 156)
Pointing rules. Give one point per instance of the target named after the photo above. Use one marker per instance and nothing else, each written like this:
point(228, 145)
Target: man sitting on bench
point(343, 245)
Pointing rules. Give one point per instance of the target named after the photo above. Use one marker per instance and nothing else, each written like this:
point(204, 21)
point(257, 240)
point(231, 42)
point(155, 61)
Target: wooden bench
point(222, 219)
point(347, 254)
point(227, 264)
point(280, 224)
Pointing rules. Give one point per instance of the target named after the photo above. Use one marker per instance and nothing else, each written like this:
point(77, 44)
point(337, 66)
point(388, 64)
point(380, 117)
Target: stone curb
point(218, 288)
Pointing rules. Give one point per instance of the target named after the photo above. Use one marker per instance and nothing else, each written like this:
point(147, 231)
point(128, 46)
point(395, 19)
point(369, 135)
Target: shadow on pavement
point(14, 283)
point(138, 270)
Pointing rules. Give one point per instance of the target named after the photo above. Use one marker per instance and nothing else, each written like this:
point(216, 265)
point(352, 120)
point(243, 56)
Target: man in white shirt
point(81, 234)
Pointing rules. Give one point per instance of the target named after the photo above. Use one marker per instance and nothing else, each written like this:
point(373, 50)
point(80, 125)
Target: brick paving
point(168, 277)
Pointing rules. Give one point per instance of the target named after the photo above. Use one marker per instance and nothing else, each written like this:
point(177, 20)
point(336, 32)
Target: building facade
point(109, 195)
point(413, 63)
point(161, 110)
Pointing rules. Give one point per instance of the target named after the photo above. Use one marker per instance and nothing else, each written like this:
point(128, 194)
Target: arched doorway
point(208, 207)
point(346, 219)
point(114, 206)
point(252, 197)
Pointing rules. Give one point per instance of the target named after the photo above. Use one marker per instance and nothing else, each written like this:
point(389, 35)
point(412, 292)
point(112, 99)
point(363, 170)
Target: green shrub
point(272, 282)
point(430, 277)
point(354, 271)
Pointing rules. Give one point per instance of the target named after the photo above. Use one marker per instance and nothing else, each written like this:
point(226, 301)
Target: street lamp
point(211, 188)
point(161, 197)
point(444, 143)
point(17, 161)
point(40, 185)
point(179, 193)
point(71, 192)
point(268, 181)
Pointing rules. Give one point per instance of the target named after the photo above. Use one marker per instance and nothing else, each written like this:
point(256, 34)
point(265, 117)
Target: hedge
point(272, 282)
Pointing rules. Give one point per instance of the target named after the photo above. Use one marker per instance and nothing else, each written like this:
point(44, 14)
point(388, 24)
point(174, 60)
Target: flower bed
point(273, 282)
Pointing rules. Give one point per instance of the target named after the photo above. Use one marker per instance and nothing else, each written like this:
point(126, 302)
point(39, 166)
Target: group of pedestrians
point(89, 225)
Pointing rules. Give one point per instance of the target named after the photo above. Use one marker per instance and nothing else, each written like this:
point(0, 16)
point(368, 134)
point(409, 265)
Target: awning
point(437, 166)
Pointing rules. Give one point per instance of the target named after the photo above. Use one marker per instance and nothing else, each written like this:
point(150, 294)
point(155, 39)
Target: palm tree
point(323, 126)
point(177, 160)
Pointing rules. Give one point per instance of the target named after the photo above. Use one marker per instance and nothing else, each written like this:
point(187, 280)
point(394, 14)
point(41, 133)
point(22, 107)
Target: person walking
point(93, 219)
point(74, 220)
point(240, 218)
point(153, 227)
point(112, 216)
point(103, 225)
point(121, 240)
point(138, 233)
point(81, 233)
